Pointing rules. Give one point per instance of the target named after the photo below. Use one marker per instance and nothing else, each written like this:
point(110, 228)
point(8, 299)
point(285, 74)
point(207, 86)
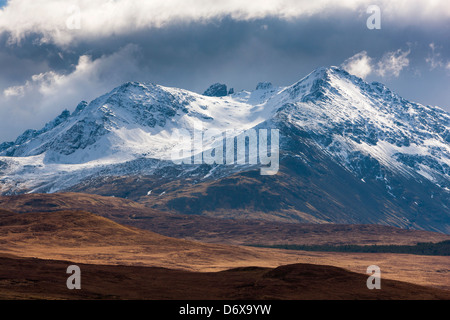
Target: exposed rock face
point(264, 86)
point(216, 90)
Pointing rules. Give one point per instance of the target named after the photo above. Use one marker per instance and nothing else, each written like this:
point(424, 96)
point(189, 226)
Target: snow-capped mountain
point(351, 119)
point(341, 138)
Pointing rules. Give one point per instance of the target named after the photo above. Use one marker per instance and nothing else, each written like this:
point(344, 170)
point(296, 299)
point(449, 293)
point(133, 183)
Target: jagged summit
point(264, 85)
point(150, 105)
point(339, 99)
point(216, 90)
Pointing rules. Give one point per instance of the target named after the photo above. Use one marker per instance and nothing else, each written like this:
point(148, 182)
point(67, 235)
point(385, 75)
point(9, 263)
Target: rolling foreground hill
point(85, 237)
point(350, 152)
point(46, 279)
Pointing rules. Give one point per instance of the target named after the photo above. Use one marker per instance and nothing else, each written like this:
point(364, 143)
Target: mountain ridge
point(381, 154)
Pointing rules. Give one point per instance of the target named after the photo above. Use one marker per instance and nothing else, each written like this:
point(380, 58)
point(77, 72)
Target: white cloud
point(434, 58)
point(102, 18)
point(14, 91)
point(38, 81)
point(359, 65)
point(392, 63)
point(85, 74)
point(45, 95)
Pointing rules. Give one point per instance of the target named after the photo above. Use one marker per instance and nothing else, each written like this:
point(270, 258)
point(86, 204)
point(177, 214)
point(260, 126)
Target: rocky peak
point(264, 85)
point(216, 90)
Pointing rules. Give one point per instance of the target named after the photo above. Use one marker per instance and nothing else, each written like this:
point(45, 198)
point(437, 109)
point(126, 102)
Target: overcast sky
point(54, 54)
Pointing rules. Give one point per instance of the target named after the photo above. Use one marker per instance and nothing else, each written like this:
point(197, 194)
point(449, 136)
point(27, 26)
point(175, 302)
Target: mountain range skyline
point(347, 141)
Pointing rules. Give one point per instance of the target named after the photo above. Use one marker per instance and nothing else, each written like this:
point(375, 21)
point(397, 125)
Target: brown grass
point(46, 279)
point(214, 230)
point(83, 237)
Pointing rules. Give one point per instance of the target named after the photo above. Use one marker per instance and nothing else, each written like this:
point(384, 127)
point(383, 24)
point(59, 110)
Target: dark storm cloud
point(192, 55)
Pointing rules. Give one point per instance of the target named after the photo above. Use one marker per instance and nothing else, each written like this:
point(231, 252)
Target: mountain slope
point(214, 230)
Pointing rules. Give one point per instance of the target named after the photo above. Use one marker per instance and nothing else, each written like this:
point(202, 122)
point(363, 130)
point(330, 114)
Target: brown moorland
point(46, 279)
point(215, 230)
point(83, 237)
